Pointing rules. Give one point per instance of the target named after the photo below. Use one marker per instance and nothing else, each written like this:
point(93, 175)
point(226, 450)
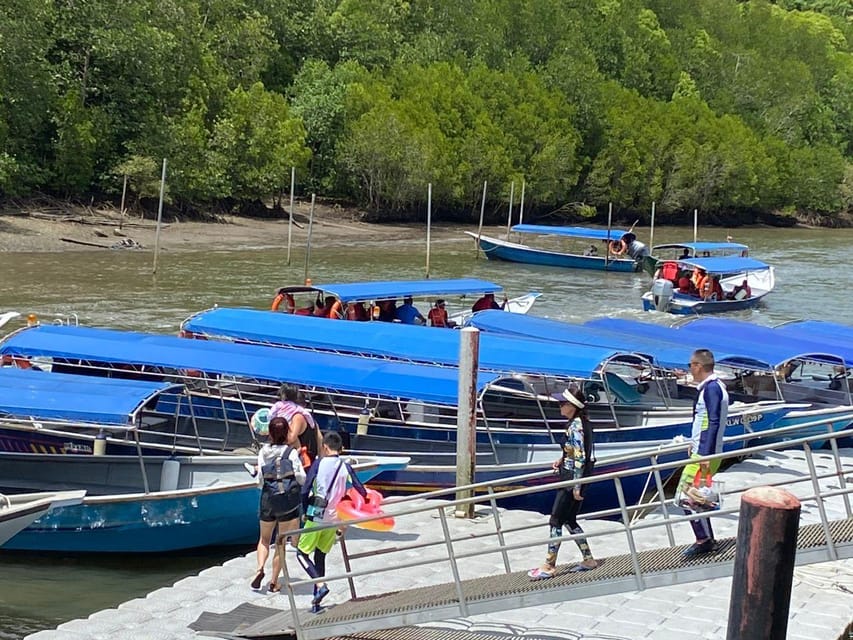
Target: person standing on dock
point(576, 462)
point(280, 476)
point(710, 410)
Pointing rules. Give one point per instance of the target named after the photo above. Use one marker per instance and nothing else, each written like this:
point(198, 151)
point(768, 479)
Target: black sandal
point(274, 587)
point(259, 577)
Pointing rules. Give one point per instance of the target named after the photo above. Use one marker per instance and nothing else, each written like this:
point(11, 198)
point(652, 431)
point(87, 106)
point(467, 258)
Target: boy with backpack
point(324, 487)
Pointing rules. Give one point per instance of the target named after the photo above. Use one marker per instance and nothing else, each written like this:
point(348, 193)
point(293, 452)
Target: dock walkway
point(577, 606)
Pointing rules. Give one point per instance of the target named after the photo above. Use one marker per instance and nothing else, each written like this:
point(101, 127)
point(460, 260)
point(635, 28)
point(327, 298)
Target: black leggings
point(565, 509)
point(316, 569)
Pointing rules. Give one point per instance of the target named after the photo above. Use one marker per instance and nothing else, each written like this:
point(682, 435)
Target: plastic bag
point(703, 495)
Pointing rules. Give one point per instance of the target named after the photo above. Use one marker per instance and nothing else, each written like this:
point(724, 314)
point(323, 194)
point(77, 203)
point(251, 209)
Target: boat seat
point(623, 392)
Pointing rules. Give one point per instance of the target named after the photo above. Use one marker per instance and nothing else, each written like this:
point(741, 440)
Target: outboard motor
point(662, 293)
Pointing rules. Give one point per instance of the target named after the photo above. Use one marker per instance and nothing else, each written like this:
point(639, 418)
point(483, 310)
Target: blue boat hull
point(528, 255)
point(219, 513)
point(146, 524)
point(689, 306)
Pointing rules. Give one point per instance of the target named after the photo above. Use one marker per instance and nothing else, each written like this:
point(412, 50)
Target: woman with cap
point(577, 461)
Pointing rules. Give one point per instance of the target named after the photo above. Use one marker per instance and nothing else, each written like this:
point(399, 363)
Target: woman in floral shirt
point(577, 461)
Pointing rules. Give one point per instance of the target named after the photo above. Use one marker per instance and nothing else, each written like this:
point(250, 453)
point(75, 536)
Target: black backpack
point(280, 483)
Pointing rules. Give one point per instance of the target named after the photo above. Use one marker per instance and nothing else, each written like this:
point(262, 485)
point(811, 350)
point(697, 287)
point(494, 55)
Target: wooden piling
point(466, 417)
point(764, 565)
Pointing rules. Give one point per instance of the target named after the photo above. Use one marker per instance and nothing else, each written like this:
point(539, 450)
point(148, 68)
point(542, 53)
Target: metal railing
point(443, 548)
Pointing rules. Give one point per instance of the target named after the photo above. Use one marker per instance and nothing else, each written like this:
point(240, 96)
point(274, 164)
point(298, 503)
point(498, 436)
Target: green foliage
point(715, 104)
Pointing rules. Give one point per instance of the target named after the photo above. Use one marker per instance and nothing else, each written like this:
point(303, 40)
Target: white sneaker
point(250, 468)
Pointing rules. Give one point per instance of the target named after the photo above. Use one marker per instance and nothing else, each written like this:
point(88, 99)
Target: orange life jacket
point(437, 317)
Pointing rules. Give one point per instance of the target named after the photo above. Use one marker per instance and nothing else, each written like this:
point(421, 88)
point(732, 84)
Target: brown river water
point(116, 289)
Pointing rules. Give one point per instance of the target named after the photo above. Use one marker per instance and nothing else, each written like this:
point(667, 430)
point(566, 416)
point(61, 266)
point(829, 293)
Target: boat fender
point(618, 247)
point(363, 420)
point(100, 447)
point(354, 506)
point(169, 473)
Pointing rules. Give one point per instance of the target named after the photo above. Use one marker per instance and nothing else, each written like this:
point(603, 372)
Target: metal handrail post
point(499, 530)
point(629, 534)
point(824, 523)
point(457, 582)
point(839, 470)
point(347, 565)
point(294, 612)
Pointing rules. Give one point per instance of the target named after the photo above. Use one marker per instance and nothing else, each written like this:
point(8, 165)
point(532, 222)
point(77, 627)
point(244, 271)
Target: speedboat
point(742, 284)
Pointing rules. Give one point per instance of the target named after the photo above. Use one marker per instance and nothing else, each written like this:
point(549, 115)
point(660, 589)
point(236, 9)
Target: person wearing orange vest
point(437, 316)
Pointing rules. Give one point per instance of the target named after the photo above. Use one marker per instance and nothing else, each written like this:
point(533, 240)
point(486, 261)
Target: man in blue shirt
point(408, 314)
point(710, 411)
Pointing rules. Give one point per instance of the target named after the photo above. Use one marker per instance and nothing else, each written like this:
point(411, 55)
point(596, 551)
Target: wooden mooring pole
point(764, 565)
point(466, 417)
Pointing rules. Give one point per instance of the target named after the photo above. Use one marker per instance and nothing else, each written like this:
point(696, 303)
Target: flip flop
point(259, 577)
point(539, 574)
point(578, 568)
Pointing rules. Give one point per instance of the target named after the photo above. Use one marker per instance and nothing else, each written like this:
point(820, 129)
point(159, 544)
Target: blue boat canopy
point(390, 289)
point(321, 370)
point(669, 351)
point(721, 341)
point(571, 232)
point(818, 331)
point(498, 354)
point(813, 348)
point(725, 264)
point(734, 247)
point(40, 395)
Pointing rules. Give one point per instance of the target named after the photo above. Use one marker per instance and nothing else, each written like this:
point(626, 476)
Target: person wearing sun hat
point(577, 461)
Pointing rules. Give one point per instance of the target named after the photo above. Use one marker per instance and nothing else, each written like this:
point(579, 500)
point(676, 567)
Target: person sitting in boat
point(387, 311)
point(686, 287)
point(407, 313)
point(699, 277)
point(740, 292)
point(591, 250)
point(636, 249)
point(685, 254)
point(712, 289)
point(356, 311)
point(437, 316)
point(488, 302)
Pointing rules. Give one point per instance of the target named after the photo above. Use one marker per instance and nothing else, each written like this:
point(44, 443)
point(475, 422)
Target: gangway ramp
point(660, 567)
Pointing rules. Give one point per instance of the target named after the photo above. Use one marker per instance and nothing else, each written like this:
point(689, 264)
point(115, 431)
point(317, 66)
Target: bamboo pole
point(652, 230)
point(123, 195)
point(482, 213)
point(695, 225)
point(509, 213)
point(521, 210)
point(308, 241)
point(159, 217)
point(290, 215)
point(429, 225)
point(609, 224)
